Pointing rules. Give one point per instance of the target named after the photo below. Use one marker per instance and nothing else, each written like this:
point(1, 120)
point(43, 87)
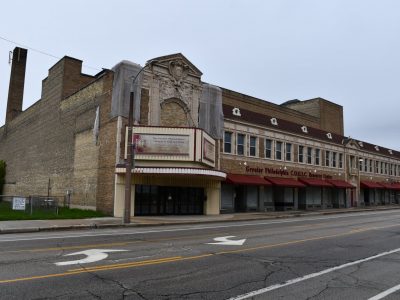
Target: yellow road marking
point(178, 258)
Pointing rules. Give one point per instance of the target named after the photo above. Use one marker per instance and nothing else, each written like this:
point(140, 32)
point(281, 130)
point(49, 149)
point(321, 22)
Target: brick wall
point(52, 141)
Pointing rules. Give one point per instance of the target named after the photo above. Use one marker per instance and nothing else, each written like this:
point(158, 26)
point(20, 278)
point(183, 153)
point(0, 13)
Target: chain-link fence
point(32, 204)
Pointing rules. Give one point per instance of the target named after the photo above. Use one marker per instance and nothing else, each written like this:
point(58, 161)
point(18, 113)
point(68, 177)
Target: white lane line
point(119, 233)
point(312, 275)
point(386, 293)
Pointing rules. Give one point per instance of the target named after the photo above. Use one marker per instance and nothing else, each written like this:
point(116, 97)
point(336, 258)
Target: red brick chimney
point(17, 82)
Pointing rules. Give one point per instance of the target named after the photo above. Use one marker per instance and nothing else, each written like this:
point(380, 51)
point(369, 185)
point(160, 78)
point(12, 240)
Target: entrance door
point(168, 200)
point(240, 199)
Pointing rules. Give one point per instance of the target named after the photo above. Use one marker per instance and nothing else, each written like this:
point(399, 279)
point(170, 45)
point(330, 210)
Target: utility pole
point(130, 159)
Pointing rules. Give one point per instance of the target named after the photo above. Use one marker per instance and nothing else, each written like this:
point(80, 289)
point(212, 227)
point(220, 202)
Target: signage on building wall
point(283, 172)
point(161, 144)
point(208, 150)
point(19, 203)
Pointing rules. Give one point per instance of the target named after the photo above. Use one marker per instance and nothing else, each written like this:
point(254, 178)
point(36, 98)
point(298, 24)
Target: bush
point(2, 175)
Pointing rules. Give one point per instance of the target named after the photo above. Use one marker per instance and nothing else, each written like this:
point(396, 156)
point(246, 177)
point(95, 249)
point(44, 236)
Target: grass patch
point(7, 214)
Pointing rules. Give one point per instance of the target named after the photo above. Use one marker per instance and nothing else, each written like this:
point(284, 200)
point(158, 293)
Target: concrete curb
point(244, 219)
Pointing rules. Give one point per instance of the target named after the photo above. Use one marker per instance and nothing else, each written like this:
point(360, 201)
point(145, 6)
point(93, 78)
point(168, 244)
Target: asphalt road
point(346, 256)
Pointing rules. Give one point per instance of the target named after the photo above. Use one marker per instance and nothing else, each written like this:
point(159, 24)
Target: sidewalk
point(110, 222)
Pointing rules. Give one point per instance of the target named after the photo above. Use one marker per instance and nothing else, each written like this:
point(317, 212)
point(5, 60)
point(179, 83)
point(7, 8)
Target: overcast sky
point(346, 51)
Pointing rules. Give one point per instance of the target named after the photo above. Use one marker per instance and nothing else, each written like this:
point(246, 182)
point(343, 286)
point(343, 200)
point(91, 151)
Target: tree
point(2, 175)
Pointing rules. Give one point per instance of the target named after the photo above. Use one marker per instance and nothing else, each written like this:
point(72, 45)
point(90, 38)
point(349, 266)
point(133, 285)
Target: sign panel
point(161, 144)
point(19, 203)
point(208, 150)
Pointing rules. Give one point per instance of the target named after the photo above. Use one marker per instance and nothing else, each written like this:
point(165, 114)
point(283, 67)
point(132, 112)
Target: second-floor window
point(327, 158)
point(288, 152)
point(240, 144)
point(301, 154)
point(228, 142)
point(341, 160)
point(268, 148)
point(253, 143)
point(309, 155)
point(278, 151)
point(366, 165)
point(317, 157)
point(334, 159)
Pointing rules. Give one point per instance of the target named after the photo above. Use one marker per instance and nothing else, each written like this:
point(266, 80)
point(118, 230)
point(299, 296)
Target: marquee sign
point(161, 144)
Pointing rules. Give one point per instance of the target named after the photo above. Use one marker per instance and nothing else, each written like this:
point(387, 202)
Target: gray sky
point(346, 51)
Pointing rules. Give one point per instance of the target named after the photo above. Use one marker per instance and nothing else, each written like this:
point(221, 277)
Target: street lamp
point(130, 149)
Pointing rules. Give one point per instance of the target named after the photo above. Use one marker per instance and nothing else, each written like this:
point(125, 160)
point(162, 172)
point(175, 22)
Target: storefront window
point(228, 142)
point(288, 152)
point(301, 154)
point(278, 151)
point(253, 143)
point(240, 144)
point(268, 149)
point(309, 155)
point(317, 156)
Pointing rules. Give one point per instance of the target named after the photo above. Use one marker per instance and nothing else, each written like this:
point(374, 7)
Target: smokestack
point(17, 82)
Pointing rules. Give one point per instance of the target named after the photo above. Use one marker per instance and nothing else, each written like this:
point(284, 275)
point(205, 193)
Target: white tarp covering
point(211, 118)
point(124, 73)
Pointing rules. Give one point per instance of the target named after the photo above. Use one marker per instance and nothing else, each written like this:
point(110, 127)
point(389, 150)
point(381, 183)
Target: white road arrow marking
point(93, 255)
point(224, 240)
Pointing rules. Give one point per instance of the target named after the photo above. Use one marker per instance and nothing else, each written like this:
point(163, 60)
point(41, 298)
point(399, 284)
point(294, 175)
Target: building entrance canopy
point(370, 185)
point(315, 182)
point(341, 184)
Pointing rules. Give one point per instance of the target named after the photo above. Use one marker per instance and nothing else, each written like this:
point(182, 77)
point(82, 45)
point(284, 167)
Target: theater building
point(198, 148)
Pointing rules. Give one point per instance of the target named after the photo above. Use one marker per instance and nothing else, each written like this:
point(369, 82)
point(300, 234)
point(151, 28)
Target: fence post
point(30, 201)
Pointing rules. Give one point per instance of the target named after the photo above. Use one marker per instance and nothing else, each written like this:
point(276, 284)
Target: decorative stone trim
point(304, 129)
point(329, 135)
point(274, 121)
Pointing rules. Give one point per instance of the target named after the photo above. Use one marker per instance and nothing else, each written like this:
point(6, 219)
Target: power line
point(42, 52)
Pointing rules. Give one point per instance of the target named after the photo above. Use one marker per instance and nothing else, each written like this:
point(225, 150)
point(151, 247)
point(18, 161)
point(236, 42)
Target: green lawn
point(7, 214)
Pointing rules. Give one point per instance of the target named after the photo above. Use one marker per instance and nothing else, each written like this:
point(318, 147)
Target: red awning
point(396, 186)
point(287, 182)
point(341, 184)
point(387, 186)
point(246, 180)
point(370, 185)
point(315, 182)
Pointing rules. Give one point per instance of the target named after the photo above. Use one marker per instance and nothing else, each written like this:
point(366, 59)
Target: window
point(288, 152)
point(366, 165)
point(371, 168)
point(377, 167)
point(228, 142)
point(301, 154)
point(240, 144)
point(334, 159)
point(268, 149)
point(309, 155)
point(253, 143)
point(360, 164)
point(317, 156)
point(278, 151)
point(327, 159)
point(382, 167)
point(341, 160)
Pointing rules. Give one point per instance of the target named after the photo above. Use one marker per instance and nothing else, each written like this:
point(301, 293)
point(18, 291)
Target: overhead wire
point(42, 52)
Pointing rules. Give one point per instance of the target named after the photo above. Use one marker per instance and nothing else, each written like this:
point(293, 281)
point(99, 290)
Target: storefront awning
point(370, 185)
point(387, 186)
point(396, 186)
point(246, 180)
point(315, 182)
point(286, 182)
point(341, 184)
